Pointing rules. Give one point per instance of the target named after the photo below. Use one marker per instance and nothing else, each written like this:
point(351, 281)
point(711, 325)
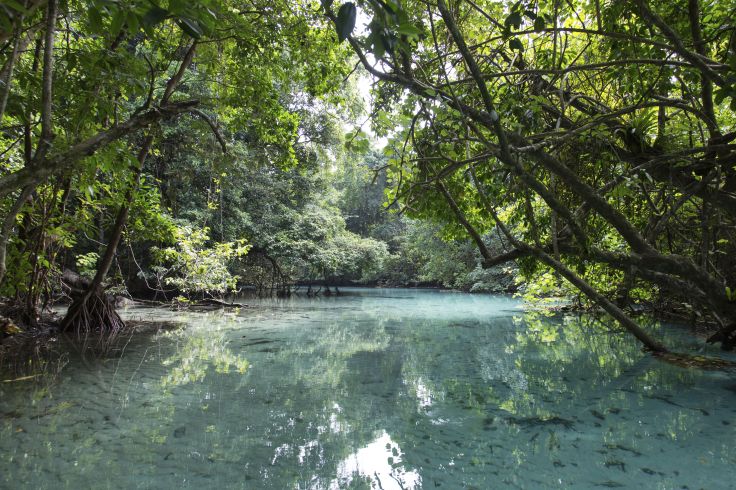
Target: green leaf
point(391, 7)
point(409, 29)
point(513, 20)
point(720, 96)
point(177, 6)
point(389, 42)
point(15, 6)
point(732, 61)
point(378, 48)
point(539, 23)
point(5, 24)
point(345, 22)
point(327, 3)
point(621, 190)
point(516, 44)
point(133, 24)
point(95, 20)
point(190, 26)
point(154, 16)
point(117, 23)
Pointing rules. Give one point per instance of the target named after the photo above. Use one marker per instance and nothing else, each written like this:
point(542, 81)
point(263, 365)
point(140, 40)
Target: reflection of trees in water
point(25, 357)
point(501, 394)
point(508, 392)
point(352, 373)
point(586, 354)
point(322, 360)
point(123, 403)
point(304, 408)
point(538, 390)
point(196, 354)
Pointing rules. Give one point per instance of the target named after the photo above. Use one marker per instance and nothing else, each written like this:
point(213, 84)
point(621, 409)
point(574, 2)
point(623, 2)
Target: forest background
point(181, 150)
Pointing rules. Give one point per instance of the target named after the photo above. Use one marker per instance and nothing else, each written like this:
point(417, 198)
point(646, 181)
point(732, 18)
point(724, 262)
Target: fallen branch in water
point(208, 303)
point(699, 362)
point(22, 378)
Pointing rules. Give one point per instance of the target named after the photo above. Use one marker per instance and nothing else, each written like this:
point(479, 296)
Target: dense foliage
point(597, 136)
point(201, 147)
point(172, 149)
point(92, 93)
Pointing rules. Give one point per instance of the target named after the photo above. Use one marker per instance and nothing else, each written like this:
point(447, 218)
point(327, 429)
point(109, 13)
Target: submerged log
point(218, 302)
point(698, 362)
point(212, 303)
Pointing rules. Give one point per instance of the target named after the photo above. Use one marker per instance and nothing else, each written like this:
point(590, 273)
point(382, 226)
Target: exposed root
point(93, 316)
point(726, 336)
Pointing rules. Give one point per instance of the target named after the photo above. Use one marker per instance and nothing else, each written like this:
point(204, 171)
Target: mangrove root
point(93, 313)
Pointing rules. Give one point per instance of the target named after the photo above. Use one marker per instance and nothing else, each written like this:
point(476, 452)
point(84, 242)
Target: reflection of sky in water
point(424, 394)
point(459, 391)
point(380, 462)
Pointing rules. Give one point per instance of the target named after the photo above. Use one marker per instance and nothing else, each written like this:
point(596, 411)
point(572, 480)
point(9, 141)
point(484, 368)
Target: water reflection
point(378, 464)
point(198, 352)
point(420, 390)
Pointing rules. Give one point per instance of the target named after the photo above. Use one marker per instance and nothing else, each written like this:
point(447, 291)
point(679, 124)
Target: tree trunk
point(94, 309)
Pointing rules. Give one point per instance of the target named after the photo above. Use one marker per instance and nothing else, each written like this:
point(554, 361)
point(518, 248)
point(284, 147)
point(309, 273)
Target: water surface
point(383, 389)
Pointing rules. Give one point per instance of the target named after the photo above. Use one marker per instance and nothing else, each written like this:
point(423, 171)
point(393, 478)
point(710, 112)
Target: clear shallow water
point(377, 389)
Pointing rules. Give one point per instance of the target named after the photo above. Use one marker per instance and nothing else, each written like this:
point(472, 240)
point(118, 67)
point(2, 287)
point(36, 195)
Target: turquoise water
point(382, 389)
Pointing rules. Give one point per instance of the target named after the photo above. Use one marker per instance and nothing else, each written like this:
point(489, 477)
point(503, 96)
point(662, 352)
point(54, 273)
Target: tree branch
point(66, 160)
point(47, 135)
point(213, 126)
point(679, 47)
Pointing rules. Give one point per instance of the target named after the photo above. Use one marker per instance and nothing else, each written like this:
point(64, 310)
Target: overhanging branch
point(66, 160)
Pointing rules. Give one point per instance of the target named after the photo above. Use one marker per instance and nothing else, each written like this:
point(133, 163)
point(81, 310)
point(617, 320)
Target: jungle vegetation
point(182, 150)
